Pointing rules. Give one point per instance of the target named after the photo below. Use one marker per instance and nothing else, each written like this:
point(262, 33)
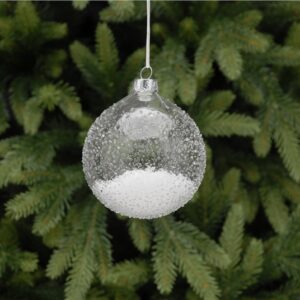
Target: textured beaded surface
point(144, 157)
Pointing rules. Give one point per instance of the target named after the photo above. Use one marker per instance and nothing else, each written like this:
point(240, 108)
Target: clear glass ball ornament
point(144, 157)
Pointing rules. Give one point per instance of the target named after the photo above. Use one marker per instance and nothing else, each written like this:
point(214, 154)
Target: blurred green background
point(234, 67)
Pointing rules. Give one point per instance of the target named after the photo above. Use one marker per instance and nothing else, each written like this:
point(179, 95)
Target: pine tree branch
point(190, 263)
point(252, 263)
point(87, 63)
point(288, 146)
point(164, 261)
point(141, 235)
point(118, 12)
point(232, 234)
point(275, 208)
point(224, 124)
point(84, 263)
point(230, 62)
point(129, 274)
point(106, 50)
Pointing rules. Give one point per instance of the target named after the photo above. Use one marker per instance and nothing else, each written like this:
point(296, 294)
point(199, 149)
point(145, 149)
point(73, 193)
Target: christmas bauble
point(144, 157)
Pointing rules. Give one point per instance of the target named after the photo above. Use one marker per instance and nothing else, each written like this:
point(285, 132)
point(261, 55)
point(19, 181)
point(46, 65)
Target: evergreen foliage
point(234, 67)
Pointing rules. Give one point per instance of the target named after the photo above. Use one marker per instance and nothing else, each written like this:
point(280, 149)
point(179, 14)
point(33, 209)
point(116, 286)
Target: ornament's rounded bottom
point(145, 194)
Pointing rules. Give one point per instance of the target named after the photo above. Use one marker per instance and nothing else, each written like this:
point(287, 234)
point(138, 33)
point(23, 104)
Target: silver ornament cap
point(145, 85)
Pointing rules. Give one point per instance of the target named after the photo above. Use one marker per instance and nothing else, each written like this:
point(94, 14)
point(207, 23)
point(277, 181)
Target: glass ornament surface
point(144, 157)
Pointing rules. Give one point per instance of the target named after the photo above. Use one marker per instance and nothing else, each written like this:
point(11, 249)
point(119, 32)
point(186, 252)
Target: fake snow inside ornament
point(144, 157)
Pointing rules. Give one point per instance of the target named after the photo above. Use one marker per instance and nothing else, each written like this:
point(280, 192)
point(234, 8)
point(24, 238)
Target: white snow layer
point(145, 194)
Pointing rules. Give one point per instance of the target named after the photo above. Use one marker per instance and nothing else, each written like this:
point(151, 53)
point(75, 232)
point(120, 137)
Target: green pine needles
point(234, 67)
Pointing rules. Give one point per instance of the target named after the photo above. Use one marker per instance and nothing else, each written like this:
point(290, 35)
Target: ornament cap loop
point(145, 85)
point(144, 70)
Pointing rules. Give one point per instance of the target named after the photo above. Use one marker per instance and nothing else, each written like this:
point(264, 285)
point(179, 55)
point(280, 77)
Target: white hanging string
point(147, 62)
point(148, 36)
